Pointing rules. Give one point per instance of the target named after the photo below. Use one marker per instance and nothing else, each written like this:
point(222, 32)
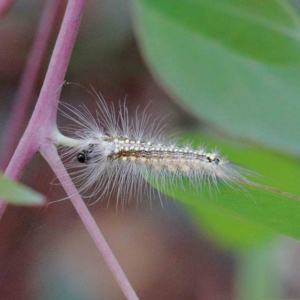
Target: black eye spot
point(81, 157)
point(216, 161)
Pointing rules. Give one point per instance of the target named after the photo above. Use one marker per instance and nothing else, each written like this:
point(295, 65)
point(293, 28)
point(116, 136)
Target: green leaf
point(258, 275)
point(234, 63)
point(227, 229)
point(254, 209)
point(16, 193)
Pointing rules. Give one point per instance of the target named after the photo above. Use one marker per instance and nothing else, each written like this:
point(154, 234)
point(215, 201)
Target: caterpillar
point(113, 152)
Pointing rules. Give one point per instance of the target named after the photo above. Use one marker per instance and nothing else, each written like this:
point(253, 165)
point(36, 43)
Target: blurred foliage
point(257, 272)
point(16, 193)
point(231, 213)
point(236, 65)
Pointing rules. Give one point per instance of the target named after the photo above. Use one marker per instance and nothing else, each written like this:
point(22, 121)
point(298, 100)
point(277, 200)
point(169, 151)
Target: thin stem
point(42, 124)
point(41, 134)
point(46, 107)
point(4, 6)
point(50, 154)
point(62, 140)
point(28, 80)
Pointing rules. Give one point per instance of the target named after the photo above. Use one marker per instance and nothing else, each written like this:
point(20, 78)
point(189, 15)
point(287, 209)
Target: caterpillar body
point(113, 152)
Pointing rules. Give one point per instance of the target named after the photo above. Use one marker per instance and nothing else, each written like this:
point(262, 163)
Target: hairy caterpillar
point(113, 152)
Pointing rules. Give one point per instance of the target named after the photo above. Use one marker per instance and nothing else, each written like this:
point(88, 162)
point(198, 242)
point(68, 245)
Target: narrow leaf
point(16, 193)
point(276, 207)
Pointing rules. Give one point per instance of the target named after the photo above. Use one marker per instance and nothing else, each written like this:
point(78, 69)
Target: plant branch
point(41, 134)
point(42, 124)
point(50, 154)
point(4, 6)
point(23, 96)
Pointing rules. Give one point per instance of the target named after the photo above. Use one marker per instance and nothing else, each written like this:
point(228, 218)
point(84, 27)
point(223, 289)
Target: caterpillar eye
point(81, 158)
point(216, 161)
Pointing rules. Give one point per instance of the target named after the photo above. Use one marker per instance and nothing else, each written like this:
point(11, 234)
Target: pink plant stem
point(50, 154)
point(43, 120)
point(28, 80)
point(4, 6)
point(40, 135)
